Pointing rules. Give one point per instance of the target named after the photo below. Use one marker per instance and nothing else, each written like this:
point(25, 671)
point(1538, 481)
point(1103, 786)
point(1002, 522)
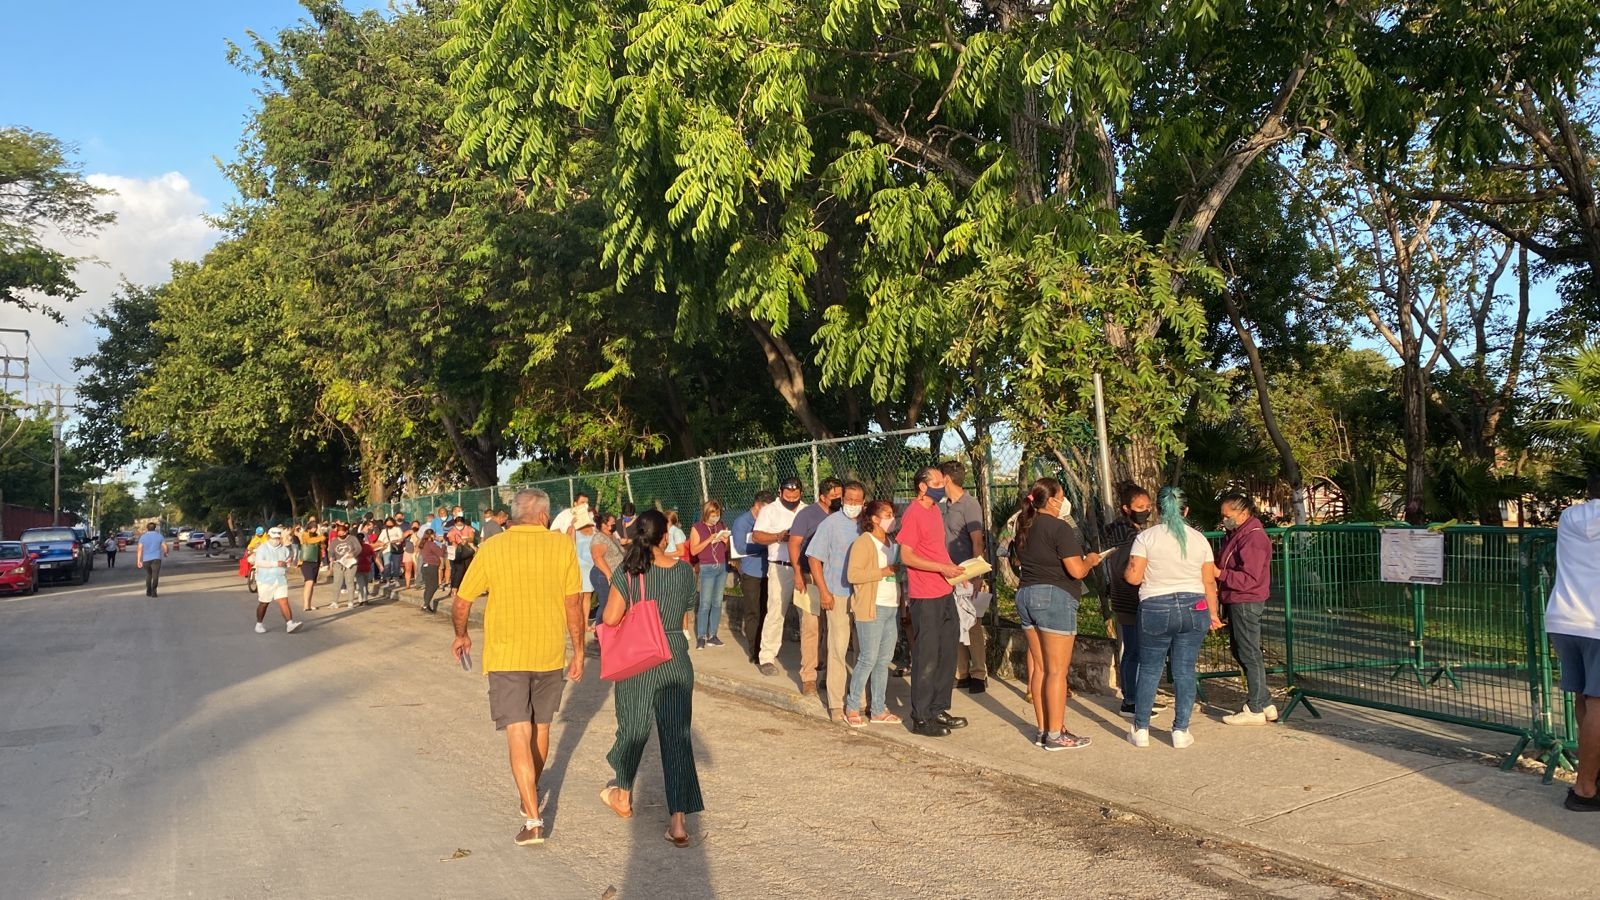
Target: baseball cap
point(790, 484)
point(276, 532)
point(260, 530)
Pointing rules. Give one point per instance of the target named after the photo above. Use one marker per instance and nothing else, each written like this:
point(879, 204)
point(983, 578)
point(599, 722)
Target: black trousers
point(152, 577)
point(752, 610)
point(935, 632)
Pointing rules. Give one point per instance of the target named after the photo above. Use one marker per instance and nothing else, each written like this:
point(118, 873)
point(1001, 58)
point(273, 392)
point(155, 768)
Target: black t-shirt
point(1050, 540)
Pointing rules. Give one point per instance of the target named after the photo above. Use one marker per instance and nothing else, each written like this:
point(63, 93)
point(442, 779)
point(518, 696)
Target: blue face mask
point(936, 494)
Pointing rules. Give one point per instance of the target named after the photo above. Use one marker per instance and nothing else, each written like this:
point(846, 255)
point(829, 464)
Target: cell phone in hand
point(466, 660)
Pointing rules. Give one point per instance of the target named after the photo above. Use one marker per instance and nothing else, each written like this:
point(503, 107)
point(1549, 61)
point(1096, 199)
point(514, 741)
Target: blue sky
point(143, 88)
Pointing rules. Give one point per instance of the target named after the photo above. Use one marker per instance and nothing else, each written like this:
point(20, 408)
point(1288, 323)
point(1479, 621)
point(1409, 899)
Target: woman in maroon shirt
point(708, 547)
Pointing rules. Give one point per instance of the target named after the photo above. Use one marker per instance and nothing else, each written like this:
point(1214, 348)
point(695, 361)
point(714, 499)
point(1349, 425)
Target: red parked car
point(18, 572)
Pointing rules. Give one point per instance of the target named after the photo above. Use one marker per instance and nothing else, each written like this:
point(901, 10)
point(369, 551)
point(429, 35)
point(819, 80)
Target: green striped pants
point(664, 694)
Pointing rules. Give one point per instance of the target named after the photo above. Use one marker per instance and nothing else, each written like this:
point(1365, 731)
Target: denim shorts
point(1580, 663)
point(1048, 608)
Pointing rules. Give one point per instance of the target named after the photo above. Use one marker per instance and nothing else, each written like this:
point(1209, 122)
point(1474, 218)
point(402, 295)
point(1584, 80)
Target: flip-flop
point(605, 797)
point(680, 843)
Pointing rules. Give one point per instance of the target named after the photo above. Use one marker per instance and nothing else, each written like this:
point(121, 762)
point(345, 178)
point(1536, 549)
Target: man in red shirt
point(935, 625)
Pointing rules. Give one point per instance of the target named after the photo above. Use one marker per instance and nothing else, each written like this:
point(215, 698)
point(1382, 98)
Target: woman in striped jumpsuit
point(664, 693)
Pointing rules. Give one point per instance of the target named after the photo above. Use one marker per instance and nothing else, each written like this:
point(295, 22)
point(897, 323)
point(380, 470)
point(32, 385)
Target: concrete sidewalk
point(1411, 821)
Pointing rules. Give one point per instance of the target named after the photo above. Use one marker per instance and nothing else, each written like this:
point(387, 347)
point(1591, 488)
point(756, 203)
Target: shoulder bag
point(636, 644)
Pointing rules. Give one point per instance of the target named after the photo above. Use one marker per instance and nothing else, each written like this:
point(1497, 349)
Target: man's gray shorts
point(525, 697)
point(1580, 663)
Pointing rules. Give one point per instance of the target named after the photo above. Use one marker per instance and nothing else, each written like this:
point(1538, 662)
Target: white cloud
point(158, 220)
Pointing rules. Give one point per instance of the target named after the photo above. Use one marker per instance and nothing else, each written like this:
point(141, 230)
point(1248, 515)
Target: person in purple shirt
point(1244, 577)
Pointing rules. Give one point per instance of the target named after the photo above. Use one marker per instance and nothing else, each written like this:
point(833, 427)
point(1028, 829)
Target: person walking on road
point(148, 555)
point(1244, 581)
point(535, 607)
point(430, 556)
point(875, 604)
point(272, 560)
point(1572, 617)
point(1051, 566)
point(663, 694)
point(110, 547)
point(935, 626)
point(1176, 573)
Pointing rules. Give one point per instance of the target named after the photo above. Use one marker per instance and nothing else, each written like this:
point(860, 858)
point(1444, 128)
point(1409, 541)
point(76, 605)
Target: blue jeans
point(1170, 623)
point(1128, 667)
point(708, 617)
point(391, 565)
point(875, 641)
point(602, 591)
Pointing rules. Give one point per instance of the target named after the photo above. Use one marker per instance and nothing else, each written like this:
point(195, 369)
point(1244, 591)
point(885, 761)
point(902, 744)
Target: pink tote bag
point(636, 644)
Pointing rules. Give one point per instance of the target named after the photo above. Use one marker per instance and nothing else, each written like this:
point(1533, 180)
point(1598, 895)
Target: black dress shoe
point(964, 683)
point(949, 721)
point(930, 728)
point(978, 685)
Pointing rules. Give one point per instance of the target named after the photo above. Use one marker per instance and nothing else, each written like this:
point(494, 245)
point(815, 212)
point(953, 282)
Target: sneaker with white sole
point(292, 626)
point(1139, 737)
point(1271, 712)
point(260, 628)
point(1245, 717)
point(1182, 739)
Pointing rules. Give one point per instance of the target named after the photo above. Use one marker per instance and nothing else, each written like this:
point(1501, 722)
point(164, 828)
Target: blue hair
point(1171, 500)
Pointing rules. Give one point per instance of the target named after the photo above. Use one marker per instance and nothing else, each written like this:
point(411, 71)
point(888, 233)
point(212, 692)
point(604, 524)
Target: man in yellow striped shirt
point(531, 576)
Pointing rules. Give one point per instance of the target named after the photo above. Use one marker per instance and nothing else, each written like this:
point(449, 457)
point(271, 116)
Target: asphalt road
point(160, 748)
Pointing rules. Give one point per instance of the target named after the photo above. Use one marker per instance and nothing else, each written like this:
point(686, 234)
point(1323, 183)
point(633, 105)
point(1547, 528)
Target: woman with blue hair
point(1176, 573)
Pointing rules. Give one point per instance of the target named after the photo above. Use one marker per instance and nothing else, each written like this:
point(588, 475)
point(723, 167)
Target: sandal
point(886, 718)
point(855, 719)
point(679, 842)
point(605, 797)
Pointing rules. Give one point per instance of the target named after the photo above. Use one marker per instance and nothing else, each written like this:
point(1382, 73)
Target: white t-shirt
point(889, 589)
point(563, 520)
point(774, 519)
point(1574, 606)
point(675, 538)
point(392, 536)
point(1169, 570)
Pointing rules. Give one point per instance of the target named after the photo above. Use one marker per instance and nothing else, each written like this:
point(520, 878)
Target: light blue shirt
point(151, 543)
point(754, 561)
point(831, 546)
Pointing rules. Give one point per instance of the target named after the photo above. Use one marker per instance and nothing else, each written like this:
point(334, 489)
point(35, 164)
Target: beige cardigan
point(866, 578)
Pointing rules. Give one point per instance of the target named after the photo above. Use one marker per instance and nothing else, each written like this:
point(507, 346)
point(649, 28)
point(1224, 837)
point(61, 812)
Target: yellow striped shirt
point(528, 571)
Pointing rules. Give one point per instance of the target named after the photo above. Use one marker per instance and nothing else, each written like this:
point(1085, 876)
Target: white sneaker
point(1182, 739)
point(1139, 737)
point(1246, 717)
point(1271, 712)
point(261, 628)
point(292, 626)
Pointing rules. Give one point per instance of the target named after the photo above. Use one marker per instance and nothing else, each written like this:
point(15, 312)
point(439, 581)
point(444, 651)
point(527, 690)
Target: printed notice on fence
point(1412, 556)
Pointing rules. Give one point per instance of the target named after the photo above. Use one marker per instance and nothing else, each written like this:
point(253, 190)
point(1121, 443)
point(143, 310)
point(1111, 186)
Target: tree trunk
point(479, 454)
point(789, 377)
point(1413, 395)
point(1291, 466)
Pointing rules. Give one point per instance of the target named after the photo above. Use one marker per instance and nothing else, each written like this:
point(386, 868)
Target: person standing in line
point(151, 551)
point(311, 546)
point(494, 522)
point(1177, 577)
point(1051, 566)
point(875, 605)
point(828, 558)
point(625, 524)
point(583, 544)
point(563, 522)
point(344, 556)
point(708, 548)
point(664, 694)
point(464, 539)
point(807, 596)
point(408, 554)
point(772, 531)
point(534, 609)
point(366, 568)
point(272, 560)
point(430, 556)
point(675, 536)
point(1135, 511)
point(963, 532)
point(1572, 619)
point(606, 552)
point(1244, 582)
point(752, 559)
point(391, 541)
point(935, 627)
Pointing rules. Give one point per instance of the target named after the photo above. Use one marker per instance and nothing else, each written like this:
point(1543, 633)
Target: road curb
point(793, 702)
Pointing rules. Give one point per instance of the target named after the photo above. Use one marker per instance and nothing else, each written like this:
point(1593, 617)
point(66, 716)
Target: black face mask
point(790, 505)
point(836, 504)
point(1141, 517)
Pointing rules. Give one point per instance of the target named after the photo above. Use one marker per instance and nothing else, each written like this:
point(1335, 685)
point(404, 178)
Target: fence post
point(627, 485)
point(816, 478)
point(572, 494)
point(705, 490)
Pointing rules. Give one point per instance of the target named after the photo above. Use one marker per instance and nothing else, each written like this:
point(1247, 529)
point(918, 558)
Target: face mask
point(1140, 517)
point(852, 510)
point(712, 520)
point(834, 504)
point(1066, 509)
point(790, 505)
point(1229, 524)
point(935, 494)
point(886, 524)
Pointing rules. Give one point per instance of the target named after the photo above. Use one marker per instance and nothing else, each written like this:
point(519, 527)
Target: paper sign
point(1411, 556)
point(972, 568)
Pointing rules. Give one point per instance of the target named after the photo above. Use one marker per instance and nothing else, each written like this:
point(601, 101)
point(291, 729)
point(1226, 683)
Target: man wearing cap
point(272, 560)
point(772, 532)
point(259, 539)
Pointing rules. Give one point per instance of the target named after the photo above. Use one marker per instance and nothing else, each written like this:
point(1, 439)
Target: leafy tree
point(27, 470)
point(127, 353)
point(41, 190)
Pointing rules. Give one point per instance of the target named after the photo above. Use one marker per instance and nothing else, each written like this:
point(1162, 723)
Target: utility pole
point(55, 507)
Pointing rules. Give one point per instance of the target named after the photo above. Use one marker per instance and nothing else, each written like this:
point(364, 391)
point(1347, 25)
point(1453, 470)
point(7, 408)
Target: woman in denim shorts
point(1051, 565)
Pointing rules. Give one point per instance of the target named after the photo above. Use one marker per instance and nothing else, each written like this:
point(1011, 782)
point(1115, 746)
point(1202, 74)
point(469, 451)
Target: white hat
point(275, 533)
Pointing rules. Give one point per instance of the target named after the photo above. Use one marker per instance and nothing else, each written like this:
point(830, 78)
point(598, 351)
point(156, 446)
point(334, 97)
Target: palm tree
point(1576, 395)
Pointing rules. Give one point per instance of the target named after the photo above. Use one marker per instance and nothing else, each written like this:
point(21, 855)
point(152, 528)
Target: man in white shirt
point(772, 532)
point(272, 561)
point(1572, 618)
point(151, 551)
point(563, 521)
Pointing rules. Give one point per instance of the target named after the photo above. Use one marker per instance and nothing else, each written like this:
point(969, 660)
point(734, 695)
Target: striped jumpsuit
point(664, 693)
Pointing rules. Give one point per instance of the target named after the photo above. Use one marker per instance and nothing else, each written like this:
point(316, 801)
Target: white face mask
point(1065, 512)
point(851, 510)
point(712, 520)
point(886, 524)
